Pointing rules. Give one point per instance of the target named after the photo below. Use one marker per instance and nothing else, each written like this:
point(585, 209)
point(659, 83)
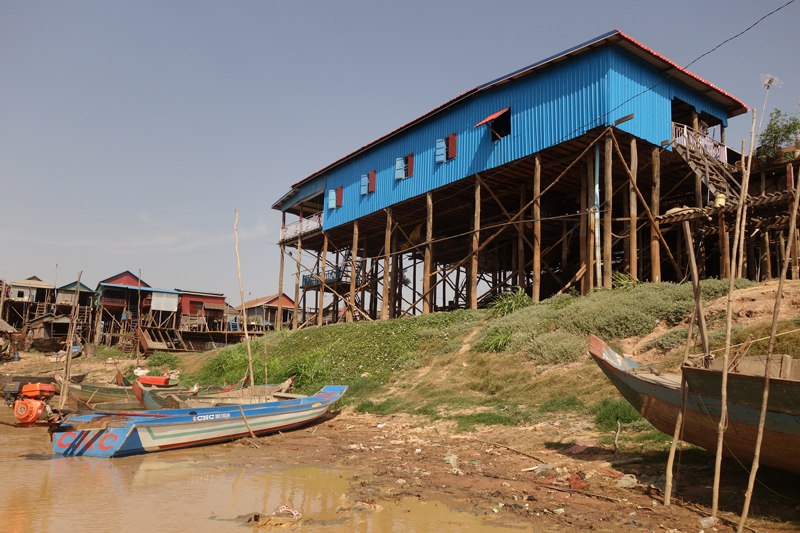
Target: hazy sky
point(130, 131)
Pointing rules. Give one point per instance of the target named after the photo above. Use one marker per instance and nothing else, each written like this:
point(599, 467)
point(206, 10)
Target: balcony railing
point(304, 225)
point(695, 140)
point(114, 301)
point(331, 276)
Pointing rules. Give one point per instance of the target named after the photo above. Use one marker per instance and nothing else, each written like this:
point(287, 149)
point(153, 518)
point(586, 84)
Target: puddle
point(196, 490)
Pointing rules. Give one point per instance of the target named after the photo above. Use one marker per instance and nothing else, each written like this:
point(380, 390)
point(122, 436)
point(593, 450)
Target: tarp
point(163, 301)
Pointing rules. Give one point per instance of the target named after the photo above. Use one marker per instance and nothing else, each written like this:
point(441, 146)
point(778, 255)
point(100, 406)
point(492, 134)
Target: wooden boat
point(152, 399)
point(109, 392)
point(656, 396)
point(121, 434)
point(75, 378)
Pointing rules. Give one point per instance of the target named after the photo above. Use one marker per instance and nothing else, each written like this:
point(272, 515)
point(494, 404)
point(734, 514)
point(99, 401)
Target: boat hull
point(657, 398)
point(153, 431)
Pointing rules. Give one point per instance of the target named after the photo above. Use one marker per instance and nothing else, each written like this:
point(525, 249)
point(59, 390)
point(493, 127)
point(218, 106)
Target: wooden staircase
point(711, 171)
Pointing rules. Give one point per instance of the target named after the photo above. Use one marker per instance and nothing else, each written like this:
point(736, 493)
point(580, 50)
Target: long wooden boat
point(122, 434)
point(109, 392)
point(656, 396)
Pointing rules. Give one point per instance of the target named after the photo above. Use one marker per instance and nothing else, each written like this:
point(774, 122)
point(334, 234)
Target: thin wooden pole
point(70, 338)
point(679, 419)
point(633, 257)
point(770, 350)
point(246, 423)
point(724, 252)
point(598, 262)
point(537, 229)
point(279, 320)
point(241, 294)
point(321, 299)
point(3, 289)
point(428, 257)
point(700, 316)
point(476, 229)
point(723, 419)
point(607, 209)
point(655, 232)
point(743, 197)
point(387, 247)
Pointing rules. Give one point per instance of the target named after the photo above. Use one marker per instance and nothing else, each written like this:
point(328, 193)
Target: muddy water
point(195, 490)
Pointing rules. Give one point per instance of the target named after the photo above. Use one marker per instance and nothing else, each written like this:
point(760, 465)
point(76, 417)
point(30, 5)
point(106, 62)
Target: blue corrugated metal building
point(542, 116)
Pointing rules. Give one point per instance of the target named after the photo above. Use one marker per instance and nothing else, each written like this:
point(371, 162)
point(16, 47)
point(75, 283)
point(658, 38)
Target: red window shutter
point(410, 164)
point(339, 192)
point(371, 186)
point(451, 146)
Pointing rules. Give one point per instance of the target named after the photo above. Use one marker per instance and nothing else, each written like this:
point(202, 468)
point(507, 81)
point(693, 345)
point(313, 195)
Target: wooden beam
point(582, 233)
point(590, 270)
point(724, 249)
point(521, 277)
point(536, 284)
point(387, 247)
point(633, 257)
point(427, 298)
point(609, 198)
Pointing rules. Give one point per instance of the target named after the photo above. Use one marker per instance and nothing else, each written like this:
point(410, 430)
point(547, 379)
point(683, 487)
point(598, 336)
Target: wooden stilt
point(537, 229)
point(724, 252)
point(607, 211)
point(473, 268)
point(633, 257)
point(427, 265)
point(321, 296)
point(353, 275)
point(241, 293)
point(590, 231)
point(564, 246)
point(582, 241)
point(598, 247)
point(655, 244)
point(387, 247)
point(520, 234)
point(297, 282)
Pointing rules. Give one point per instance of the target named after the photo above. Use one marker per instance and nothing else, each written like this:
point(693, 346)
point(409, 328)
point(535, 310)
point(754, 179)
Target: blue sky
point(130, 131)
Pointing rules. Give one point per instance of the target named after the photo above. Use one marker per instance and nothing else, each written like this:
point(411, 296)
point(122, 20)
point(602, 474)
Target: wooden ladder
point(710, 170)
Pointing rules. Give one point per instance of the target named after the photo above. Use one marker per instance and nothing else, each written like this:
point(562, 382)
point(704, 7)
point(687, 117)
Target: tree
point(781, 132)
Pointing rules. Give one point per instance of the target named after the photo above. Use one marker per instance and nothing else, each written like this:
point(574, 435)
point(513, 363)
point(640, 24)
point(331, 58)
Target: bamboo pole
point(745, 194)
point(472, 291)
point(297, 281)
point(582, 234)
point(655, 230)
point(246, 423)
point(279, 321)
point(351, 304)
point(241, 294)
point(427, 299)
point(770, 349)
point(70, 338)
point(723, 418)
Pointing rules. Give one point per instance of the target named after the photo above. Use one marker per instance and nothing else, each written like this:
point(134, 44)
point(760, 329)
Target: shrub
point(608, 411)
point(668, 341)
point(496, 340)
point(570, 403)
point(556, 347)
point(510, 301)
point(163, 358)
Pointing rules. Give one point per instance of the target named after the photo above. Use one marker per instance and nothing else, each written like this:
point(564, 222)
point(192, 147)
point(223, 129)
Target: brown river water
point(193, 490)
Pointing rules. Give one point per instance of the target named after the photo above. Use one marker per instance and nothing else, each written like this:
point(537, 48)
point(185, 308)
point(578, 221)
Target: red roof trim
point(491, 117)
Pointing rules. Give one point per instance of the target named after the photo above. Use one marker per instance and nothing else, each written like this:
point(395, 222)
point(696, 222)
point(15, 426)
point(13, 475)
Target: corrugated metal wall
point(548, 107)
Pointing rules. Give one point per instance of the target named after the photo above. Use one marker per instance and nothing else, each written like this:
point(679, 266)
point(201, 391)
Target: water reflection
point(194, 490)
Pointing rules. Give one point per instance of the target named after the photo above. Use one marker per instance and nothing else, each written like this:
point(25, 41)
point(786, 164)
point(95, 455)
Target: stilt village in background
point(555, 178)
point(124, 310)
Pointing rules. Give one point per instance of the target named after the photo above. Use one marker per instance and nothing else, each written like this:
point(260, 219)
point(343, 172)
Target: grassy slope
point(519, 367)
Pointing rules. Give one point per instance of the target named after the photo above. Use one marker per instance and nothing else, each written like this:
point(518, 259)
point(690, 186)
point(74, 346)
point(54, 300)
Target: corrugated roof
point(71, 287)
point(734, 106)
point(136, 288)
point(33, 281)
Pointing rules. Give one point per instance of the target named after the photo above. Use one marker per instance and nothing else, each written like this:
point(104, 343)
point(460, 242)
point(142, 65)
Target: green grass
point(163, 359)
point(561, 404)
